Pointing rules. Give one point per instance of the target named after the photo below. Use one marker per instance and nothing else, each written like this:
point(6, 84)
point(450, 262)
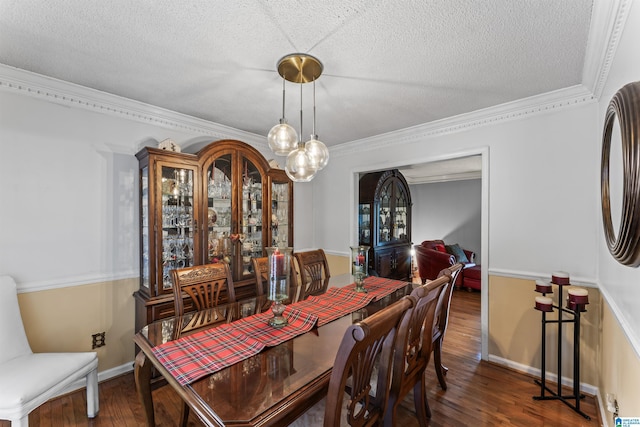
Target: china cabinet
point(384, 222)
point(221, 204)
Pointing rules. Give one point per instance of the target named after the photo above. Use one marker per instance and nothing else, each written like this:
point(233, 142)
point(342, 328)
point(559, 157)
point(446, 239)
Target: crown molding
point(607, 22)
point(46, 88)
point(543, 103)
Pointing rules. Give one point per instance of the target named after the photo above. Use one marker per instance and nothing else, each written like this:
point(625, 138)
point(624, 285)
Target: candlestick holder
point(279, 268)
point(359, 264)
point(577, 299)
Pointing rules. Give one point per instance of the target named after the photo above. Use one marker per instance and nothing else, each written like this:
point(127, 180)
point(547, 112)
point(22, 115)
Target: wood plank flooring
point(479, 393)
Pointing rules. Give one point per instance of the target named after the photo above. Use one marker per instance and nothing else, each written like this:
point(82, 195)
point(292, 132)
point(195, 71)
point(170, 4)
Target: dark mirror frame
point(625, 105)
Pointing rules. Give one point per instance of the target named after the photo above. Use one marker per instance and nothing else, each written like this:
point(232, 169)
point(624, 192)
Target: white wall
point(619, 284)
point(543, 198)
point(448, 211)
point(69, 193)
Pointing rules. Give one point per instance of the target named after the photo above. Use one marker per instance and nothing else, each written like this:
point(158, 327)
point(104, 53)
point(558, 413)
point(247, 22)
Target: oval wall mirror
point(623, 240)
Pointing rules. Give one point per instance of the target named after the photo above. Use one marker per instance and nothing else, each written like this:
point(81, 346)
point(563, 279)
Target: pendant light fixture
point(282, 137)
point(317, 151)
point(304, 161)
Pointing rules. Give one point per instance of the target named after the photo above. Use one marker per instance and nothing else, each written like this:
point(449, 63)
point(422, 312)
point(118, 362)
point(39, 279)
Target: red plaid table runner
point(256, 326)
point(379, 287)
point(194, 356)
point(334, 303)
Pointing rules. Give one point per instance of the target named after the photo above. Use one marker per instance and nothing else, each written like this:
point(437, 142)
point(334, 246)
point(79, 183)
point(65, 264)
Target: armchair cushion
point(457, 251)
point(440, 248)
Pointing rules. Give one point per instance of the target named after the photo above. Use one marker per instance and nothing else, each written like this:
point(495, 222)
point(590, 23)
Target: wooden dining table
point(271, 388)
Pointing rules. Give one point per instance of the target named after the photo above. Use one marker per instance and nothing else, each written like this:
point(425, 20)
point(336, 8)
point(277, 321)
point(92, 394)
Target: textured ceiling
point(388, 65)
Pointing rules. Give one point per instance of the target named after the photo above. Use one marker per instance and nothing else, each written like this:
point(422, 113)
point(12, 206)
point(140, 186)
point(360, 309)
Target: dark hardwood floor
point(479, 393)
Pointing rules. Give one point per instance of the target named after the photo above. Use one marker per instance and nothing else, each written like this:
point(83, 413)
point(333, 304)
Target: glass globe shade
point(282, 138)
point(298, 166)
point(318, 153)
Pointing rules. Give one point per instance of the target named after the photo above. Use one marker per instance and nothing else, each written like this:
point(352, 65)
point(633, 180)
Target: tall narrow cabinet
point(222, 204)
point(384, 222)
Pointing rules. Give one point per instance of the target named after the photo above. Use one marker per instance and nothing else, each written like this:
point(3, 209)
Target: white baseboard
point(586, 388)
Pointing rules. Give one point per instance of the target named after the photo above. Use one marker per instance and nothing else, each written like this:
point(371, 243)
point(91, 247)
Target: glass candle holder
point(279, 268)
point(359, 265)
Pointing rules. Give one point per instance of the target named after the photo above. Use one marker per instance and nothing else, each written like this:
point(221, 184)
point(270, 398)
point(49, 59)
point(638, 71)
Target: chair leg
point(184, 415)
point(420, 402)
point(441, 370)
point(93, 401)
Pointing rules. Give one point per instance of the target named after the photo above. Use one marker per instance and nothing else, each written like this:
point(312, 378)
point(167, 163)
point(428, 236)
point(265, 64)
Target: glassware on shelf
point(279, 267)
point(359, 263)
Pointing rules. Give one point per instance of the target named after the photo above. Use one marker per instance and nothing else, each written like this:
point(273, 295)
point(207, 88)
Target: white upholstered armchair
point(28, 379)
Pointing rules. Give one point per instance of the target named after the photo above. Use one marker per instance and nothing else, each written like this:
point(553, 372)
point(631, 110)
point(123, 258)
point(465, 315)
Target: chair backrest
point(205, 284)
point(313, 265)
point(365, 345)
point(444, 302)
point(414, 340)
point(261, 269)
point(13, 339)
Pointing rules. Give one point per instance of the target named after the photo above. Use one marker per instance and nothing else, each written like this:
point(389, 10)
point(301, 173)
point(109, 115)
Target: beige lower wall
point(619, 371)
point(515, 329)
point(65, 319)
point(338, 264)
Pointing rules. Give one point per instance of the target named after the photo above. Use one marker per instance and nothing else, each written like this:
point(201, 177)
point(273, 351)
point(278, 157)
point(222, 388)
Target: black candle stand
point(573, 310)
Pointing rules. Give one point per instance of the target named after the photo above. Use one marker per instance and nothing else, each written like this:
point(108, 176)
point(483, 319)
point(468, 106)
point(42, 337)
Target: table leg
point(142, 375)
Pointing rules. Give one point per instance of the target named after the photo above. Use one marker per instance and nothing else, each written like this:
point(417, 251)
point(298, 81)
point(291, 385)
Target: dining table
point(238, 370)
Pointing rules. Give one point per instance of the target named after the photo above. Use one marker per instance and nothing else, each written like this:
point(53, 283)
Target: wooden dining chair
point(441, 321)
point(413, 351)
point(207, 285)
point(359, 383)
point(314, 272)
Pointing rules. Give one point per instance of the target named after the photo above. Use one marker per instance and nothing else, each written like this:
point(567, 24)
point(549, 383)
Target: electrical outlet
point(98, 340)
point(612, 404)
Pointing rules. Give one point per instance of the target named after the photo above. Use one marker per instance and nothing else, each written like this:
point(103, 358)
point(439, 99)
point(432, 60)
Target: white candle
point(544, 304)
point(560, 277)
point(544, 287)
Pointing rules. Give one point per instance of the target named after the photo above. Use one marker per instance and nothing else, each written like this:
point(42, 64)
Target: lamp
point(305, 159)
point(282, 137)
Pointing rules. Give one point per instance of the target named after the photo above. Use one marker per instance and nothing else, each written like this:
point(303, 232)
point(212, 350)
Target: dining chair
point(441, 321)
point(413, 351)
point(359, 384)
point(207, 286)
point(29, 379)
point(314, 272)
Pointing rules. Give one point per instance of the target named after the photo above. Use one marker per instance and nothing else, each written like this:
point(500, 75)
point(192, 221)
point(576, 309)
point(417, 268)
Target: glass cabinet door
point(401, 208)
point(250, 235)
point(384, 222)
point(176, 217)
point(280, 205)
point(145, 260)
point(364, 223)
point(219, 212)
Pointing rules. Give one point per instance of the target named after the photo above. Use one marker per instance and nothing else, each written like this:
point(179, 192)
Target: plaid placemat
point(380, 287)
point(256, 326)
point(192, 357)
point(334, 303)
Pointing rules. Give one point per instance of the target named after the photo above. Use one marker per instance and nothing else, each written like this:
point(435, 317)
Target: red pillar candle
point(277, 264)
point(360, 259)
point(560, 278)
point(543, 287)
point(544, 304)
